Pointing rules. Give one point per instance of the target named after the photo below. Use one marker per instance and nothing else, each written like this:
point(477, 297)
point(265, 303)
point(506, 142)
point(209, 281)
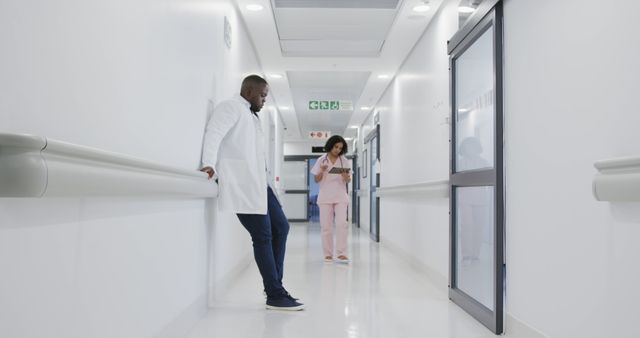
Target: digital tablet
point(336, 170)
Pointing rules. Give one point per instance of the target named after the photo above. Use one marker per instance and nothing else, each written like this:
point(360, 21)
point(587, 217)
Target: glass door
point(373, 139)
point(476, 175)
point(295, 201)
point(355, 188)
point(314, 190)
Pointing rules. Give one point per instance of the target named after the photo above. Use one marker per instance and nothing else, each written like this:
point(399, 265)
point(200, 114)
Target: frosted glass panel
point(294, 175)
point(475, 106)
point(295, 206)
point(474, 242)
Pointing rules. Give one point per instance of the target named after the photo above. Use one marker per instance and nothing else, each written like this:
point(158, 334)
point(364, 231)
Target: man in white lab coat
point(234, 150)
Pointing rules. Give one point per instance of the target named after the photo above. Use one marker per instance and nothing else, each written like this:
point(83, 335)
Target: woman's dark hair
point(332, 141)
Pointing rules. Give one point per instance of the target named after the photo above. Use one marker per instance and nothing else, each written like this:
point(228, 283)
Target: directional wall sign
point(319, 134)
point(346, 105)
point(330, 105)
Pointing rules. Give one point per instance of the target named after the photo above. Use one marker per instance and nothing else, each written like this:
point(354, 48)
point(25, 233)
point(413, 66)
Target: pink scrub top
point(333, 189)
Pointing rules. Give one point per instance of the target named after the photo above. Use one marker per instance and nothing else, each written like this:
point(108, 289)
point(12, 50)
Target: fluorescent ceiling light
point(421, 7)
point(275, 76)
point(348, 138)
point(365, 108)
point(466, 9)
point(284, 108)
point(254, 7)
point(353, 127)
point(383, 76)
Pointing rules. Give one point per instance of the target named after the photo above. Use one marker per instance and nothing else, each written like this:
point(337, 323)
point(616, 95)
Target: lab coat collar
point(244, 101)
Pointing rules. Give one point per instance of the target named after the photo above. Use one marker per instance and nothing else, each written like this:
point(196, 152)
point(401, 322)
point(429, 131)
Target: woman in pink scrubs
point(333, 171)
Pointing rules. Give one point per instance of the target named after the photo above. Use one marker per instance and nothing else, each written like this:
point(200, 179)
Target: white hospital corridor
point(319, 169)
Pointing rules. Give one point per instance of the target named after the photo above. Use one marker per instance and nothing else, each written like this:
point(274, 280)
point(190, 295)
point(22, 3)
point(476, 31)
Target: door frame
point(300, 191)
point(355, 189)
point(374, 200)
point(306, 158)
point(489, 14)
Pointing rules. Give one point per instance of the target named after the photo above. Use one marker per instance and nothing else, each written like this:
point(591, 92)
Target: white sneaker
point(342, 260)
point(328, 259)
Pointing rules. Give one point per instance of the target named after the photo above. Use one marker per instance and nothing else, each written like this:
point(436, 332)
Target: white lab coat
point(234, 147)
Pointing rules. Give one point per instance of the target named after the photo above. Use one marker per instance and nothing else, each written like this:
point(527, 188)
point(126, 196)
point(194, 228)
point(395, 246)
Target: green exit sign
point(330, 105)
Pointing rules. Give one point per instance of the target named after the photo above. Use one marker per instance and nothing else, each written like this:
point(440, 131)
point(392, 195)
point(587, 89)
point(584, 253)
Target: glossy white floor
point(377, 295)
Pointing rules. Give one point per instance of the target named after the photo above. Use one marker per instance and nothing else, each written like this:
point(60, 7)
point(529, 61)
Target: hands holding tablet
point(343, 171)
point(336, 170)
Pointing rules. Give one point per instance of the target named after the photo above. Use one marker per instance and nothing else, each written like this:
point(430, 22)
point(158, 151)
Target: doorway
point(314, 189)
point(295, 179)
point(300, 188)
point(355, 191)
point(373, 141)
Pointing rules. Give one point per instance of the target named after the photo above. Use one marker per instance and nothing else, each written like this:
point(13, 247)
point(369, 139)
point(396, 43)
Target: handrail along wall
point(34, 166)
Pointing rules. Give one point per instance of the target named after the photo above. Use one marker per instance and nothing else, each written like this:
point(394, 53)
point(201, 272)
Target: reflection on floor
point(376, 296)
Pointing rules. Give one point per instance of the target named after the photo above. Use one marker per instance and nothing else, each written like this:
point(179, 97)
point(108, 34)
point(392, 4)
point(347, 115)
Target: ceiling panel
point(345, 24)
point(336, 3)
point(327, 32)
point(319, 48)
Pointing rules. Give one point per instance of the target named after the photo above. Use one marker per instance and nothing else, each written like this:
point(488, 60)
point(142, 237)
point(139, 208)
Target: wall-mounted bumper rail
point(34, 166)
point(617, 180)
point(431, 189)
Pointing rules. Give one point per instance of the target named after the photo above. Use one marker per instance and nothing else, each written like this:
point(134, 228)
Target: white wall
point(302, 147)
point(414, 149)
point(133, 77)
point(571, 74)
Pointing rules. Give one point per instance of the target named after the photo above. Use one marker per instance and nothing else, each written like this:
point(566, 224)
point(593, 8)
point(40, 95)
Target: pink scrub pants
point(329, 212)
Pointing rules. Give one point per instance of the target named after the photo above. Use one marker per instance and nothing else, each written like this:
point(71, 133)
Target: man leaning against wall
point(234, 151)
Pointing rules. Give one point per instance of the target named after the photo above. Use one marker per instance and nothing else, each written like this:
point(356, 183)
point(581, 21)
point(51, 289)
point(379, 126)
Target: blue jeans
point(269, 235)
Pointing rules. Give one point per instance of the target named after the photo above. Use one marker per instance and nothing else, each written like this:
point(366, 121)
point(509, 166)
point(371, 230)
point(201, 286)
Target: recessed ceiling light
point(466, 9)
point(365, 108)
point(254, 7)
point(421, 7)
point(383, 76)
point(348, 138)
point(284, 108)
point(275, 76)
point(353, 127)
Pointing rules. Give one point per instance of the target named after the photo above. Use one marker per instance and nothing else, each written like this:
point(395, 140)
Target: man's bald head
point(251, 82)
point(255, 89)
